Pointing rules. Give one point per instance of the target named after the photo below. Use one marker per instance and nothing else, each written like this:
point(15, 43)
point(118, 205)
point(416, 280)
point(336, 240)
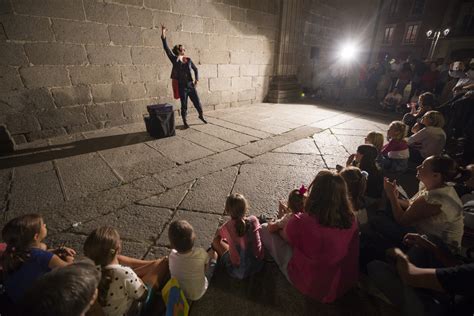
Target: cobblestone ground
point(121, 177)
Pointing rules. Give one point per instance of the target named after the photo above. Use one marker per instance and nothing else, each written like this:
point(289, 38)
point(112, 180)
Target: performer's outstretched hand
point(163, 30)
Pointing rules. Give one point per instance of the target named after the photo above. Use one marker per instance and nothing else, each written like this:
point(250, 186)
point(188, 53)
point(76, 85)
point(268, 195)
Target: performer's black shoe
point(185, 124)
point(202, 119)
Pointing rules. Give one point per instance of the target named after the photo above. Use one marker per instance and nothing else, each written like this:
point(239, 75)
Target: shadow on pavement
point(46, 153)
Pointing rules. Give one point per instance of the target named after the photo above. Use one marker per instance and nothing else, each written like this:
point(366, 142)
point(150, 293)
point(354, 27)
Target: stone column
point(284, 86)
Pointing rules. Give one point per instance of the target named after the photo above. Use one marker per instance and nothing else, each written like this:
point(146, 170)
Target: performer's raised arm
point(168, 51)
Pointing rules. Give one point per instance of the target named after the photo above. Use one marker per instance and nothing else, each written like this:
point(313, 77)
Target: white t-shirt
point(431, 141)
point(125, 288)
point(188, 269)
point(449, 224)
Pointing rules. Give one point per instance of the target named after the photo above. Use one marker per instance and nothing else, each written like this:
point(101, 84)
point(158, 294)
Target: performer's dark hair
point(176, 49)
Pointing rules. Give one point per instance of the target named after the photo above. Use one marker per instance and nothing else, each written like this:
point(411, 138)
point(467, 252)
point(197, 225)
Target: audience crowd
point(352, 221)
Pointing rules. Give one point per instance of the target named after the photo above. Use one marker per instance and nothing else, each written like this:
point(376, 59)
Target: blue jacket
point(181, 70)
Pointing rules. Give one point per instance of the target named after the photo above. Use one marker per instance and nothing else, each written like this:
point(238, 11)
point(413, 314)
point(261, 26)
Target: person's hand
point(196, 82)
point(390, 188)
point(412, 239)
point(350, 160)
point(273, 227)
point(403, 264)
point(163, 30)
point(68, 251)
point(282, 209)
point(416, 128)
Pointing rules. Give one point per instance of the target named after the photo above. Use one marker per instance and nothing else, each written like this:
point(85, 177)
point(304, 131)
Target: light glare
point(348, 52)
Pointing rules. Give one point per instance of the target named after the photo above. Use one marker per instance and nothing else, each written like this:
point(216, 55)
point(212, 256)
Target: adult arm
point(417, 240)
point(169, 53)
point(196, 74)
point(414, 276)
point(417, 137)
point(416, 211)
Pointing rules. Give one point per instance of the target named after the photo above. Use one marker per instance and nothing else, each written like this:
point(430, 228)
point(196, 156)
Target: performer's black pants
point(185, 90)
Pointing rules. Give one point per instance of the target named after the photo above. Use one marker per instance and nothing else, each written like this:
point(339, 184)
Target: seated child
point(26, 257)
point(395, 153)
point(295, 205)
point(192, 266)
point(121, 287)
point(365, 159)
point(376, 139)
point(238, 241)
point(356, 181)
point(69, 290)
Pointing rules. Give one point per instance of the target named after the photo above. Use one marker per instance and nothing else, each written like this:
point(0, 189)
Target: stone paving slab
point(169, 199)
point(332, 160)
point(85, 174)
point(205, 226)
point(179, 149)
point(134, 161)
point(328, 144)
point(82, 210)
point(302, 146)
point(207, 141)
point(35, 187)
point(209, 193)
point(288, 159)
point(264, 185)
point(333, 121)
point(133, 222)
point(226, 134)
point(239, 128)
point(351, 132)
point(199, 168)
point(156, 252)
point(362, 124)
point(350, 142)
point(271, 143)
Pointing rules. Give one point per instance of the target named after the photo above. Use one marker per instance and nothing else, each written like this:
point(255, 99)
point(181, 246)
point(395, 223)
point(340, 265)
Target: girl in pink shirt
point(322, 253)
point(238, 241)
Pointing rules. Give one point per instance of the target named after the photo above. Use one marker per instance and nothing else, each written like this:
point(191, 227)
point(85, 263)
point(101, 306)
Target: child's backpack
point(173, 296)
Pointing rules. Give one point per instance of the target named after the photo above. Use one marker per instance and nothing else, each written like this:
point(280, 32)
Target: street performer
point(183, 84)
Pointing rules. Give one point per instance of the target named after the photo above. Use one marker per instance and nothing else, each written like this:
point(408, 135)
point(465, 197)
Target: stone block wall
point(322, 30)
point(73, 65)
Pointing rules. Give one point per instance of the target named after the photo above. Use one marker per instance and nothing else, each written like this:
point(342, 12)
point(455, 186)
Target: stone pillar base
point(283, 89)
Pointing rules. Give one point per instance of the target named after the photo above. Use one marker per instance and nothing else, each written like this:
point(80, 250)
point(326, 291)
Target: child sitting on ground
point(395, 153)
point(26, 257)
point(192, 267)
point(356, 181)
point(365, 158)
point(238, 241)
point(120, 287)
point(376, 139)
point(285, 212)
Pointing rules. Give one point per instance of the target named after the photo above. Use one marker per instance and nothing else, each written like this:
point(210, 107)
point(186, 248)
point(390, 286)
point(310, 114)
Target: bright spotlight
point(348, 52)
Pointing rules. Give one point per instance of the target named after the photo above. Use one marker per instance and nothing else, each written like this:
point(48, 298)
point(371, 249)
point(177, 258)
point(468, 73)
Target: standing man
point(183, 85)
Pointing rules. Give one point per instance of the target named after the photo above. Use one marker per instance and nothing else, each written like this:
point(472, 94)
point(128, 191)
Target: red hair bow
point(302, 190)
